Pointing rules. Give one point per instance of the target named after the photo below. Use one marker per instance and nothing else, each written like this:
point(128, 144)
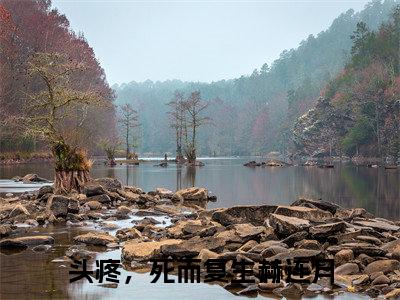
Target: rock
point(47, 189)
point(91, 189)
point(359, 248)
point(189, 194)
point(128, 195)
point(295, 237)
point(18, 209)
point(128, 234)
point(109, 226)
point(77, 252)
point(41, 248)
point(273, 250)
point(378, 225)
point(362, 279)
point(269, 286)
point(254, 214)
point(323, 205)
point(382, 279)
point(95, 238)
point(103, 198)
point(206, 254)
point(9, 195)
point(248, 231)
point(292, 290)
point(347, 269)
point(57, 205)
point(123, 210)
point(296, 253)
point(264, 245)
point(325, 230)
point(164, 193)
point(33, 178)
point(93, 205)
point(252, 164)
point(301, 212)
point(250, 290)
point(73, 206)
point(26, 241)
point(395, 294)
point(386, 266)
point(143, 251)
point(344, 256)
point(109, 184)
point(248, 245)
point(193, 246)
point(5, 230)
point(347, 214)
point(308, 244)
point(147, 199)
point(285, 226)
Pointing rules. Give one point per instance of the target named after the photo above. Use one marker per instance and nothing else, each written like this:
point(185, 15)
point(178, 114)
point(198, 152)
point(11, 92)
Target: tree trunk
point(68, 181)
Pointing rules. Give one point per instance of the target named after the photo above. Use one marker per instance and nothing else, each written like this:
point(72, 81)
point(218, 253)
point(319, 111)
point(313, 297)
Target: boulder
point(254, 214)
point(296, 253)
point(109, 184)
point(273, 250)
point(358, 248)
point(378, 225)
point(103, 198)
point(381, 279)
point(5, 230)
point(352, 213)
point(128, 195)
point(385, 266)
point(285, 226)
point(47, 189)
point(95, 238)
point(308, 244)
point(57, 205)
point(192, 247)
point(93, 205)
point(128, 234)
point(26, 241)
point(347, 269)
point(324, 205)
point(164, 193)
point(343, 256)
point(92, 189)
point(301, 212)
point(191, 194)
point(18, 209)
point(73, 206)
point(325, 230)
point(33, 178)
point(248, 231)
point(206, 254)
point(143, 251)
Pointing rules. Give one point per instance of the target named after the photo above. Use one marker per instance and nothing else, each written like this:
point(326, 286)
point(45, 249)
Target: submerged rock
point(26, 241)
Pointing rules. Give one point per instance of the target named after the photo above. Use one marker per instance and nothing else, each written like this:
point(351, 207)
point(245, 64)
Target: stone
point(325, 230)
point(128, 195)
point(248, 231)
point(285, 226)
point(296, 253)
point(123, 210)
point(306, 213)
point(5, 230)
point(189, 194)
point(269, 286)
point(386, 266)
point(250, 290)
point(95, 238)
point(91, 189)
point(295, 237)
point(206, 254)
point(103, 198)
point(164, 193)
point(382, 279)
point(292, 290)
point(47, 189)
point(128, 234)
point(57, 205)
point(33, 178)
point(26, 241)
point(308, 244)
point(323, 205)
point(347, 269)
point(348, 214)
point(264, 245)
point(18, 209)
point(73, 206)
point(193, 246)
point(248, 245)
point(343, 256)
point(369, 239)
point(143, 251)
point(395, 294)
point(109, 184)
point(93, 205)
point(359, 248)
point(273, 250)
point(362, 279)
point(254, 214)
point(378, 225)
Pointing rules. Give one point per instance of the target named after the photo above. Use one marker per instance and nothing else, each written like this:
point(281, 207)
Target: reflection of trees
point(190, 176)
point(178, 177)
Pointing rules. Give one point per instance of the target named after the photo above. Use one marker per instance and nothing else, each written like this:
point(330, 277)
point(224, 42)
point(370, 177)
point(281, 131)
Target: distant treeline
point(255, 114)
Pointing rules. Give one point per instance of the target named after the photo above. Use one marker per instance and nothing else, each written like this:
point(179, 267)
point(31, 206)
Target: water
point(375, 189)
point(30, 275)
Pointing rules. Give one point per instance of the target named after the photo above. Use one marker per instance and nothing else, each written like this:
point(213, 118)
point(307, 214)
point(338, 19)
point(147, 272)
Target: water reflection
point(377, 190)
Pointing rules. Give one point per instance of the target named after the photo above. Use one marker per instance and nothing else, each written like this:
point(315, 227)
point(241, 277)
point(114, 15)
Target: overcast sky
point(195, 40)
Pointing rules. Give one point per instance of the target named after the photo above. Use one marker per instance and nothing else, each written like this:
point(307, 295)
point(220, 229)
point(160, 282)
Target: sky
point(198, 40)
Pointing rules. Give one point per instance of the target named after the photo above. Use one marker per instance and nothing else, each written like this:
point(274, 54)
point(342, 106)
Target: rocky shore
point(365, 249)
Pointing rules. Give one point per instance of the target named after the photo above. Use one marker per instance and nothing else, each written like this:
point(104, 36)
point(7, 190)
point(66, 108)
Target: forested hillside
point(359, 111)
point(31, 29)
point(255, 113)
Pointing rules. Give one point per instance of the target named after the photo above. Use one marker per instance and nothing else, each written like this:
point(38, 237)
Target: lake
point(31, 275)
point(375, 189)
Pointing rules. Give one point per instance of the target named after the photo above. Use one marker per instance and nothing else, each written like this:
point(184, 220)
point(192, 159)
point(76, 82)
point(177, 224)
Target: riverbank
point(365, 249)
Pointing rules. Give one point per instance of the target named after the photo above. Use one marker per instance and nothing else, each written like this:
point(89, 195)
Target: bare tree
point(129, 120)
point(194, 107)
point(54, 104)
point(178, 122)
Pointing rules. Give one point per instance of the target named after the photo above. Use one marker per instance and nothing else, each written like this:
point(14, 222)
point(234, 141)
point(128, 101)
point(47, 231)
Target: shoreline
point(356, 240)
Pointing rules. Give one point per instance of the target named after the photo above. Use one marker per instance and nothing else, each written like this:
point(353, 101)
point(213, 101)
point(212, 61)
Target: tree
point(128, 120)
point(177, 119)
point(110, 146)
point(194, 107)
point(55, 103)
